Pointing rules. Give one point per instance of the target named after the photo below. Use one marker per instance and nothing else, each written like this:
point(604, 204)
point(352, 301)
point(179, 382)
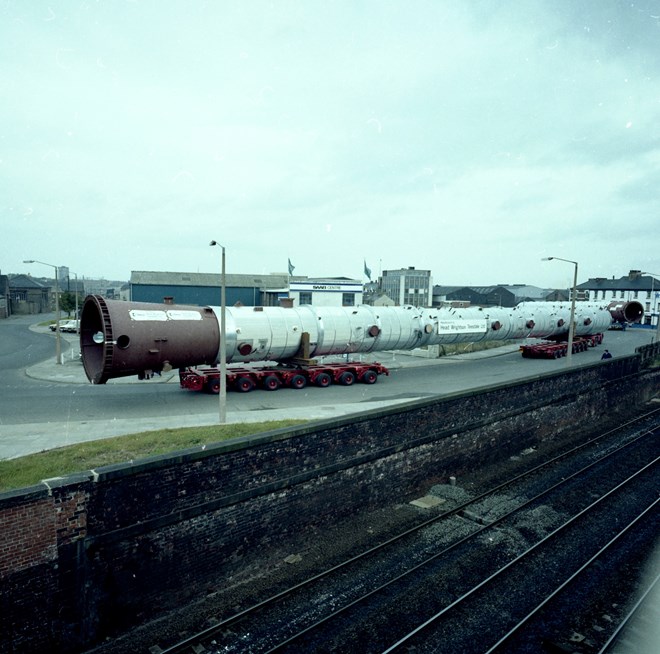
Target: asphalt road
point(38, 414)
point(19, 348)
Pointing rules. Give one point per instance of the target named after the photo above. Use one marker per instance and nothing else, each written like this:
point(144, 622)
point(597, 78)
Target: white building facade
point(637, 285)
point(333, 292)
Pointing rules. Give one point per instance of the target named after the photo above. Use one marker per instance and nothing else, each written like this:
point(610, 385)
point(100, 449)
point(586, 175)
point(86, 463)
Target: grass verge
point(59, 462)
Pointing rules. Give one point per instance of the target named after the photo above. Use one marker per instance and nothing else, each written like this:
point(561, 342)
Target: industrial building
point(249, 290)
point(408, 286)
point(28, 295)
point(502, 295)
point(202, 289)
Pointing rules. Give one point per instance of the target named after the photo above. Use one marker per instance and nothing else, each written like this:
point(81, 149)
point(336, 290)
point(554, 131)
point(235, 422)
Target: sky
point(471, 138)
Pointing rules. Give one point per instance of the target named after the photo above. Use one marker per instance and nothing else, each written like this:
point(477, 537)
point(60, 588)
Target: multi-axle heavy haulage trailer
point(273, 377)
point(119, 339)
point(558, 349)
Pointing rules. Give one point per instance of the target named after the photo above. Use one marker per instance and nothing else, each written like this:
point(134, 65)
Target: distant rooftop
point(158, 278)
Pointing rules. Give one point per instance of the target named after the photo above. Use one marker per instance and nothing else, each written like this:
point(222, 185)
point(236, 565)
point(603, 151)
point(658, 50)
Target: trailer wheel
point(323, 380)
point(369, 377)
point(244, 384)
point(298, 381)
point(214, 386)
point(272, 383)
point(347, 378)
point(194, 383)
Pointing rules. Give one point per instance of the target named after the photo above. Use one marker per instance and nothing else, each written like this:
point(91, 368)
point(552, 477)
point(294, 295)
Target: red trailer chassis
point(557, 349)
point(273, 377)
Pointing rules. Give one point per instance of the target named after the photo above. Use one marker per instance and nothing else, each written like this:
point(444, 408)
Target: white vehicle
point(71, 326)
point(53, 326)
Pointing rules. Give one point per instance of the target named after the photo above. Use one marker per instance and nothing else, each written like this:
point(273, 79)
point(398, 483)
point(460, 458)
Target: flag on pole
point(291, 267)
point(367, 270)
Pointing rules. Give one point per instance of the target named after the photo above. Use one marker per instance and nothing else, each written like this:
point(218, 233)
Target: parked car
point(53, 326)
point(71, 326)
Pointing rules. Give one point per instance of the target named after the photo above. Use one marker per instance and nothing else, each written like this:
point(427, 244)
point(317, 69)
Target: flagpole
point(290, 269)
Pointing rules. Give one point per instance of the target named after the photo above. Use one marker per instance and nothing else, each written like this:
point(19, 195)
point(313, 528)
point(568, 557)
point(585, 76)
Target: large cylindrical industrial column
point(118, 339)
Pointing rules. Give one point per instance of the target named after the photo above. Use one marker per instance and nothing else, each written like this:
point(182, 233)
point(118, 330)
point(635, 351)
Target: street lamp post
point(58, 342)
point(77, 321)
point(76, 291)
point(571, 327)
point(223, 349)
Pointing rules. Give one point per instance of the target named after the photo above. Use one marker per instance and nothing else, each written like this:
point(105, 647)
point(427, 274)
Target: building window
point(305, 298)
point(347, 299)
point(636, 294)
point(621, 294)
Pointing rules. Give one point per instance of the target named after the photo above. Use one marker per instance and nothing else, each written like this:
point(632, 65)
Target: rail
point(463, 508)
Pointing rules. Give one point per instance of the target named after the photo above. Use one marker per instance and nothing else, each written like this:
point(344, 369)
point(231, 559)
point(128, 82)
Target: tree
point(68, 302)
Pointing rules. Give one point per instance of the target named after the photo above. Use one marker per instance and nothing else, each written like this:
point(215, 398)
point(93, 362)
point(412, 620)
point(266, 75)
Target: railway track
point(487, 573)
point(638, 632)
point(545, 573)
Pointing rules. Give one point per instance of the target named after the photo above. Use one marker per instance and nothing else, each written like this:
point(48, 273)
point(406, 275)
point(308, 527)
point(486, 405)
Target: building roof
point(26, 281)
point(631, 282)
point(403, 271)
point(528, 292)
point(157, 278)
point(382, 300)
point(521, 292)
point(485, 290)
point(444, 290)
point(325, 280)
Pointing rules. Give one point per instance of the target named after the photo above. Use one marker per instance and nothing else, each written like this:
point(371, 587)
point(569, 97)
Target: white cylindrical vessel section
point(274, 333)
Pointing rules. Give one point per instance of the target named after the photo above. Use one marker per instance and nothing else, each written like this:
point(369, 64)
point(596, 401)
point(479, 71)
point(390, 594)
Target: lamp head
point(28, 261)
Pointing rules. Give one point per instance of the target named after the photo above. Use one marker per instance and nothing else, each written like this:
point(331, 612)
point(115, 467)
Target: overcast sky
point(471, 138)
